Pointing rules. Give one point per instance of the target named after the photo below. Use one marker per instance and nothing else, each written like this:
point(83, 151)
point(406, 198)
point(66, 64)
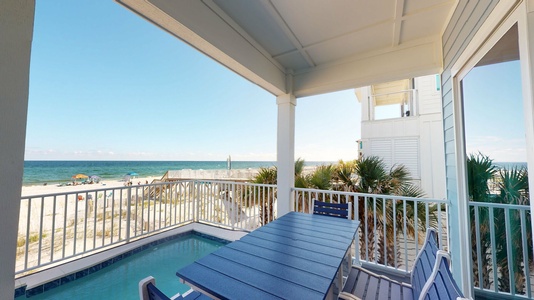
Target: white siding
point(407, 153)
point(428, 94)
point(396, 151)
point(382, 149)
point(415, 142)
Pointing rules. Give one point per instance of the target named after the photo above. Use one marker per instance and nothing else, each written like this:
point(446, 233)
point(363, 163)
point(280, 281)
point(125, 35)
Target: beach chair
point(430, 278)
point(149, 291)
point(235, 213)
point(338, 210)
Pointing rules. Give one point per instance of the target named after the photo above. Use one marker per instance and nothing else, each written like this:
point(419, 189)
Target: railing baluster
point(405, 232)
point(493, 247)
point(41, 216)
point(85, 224)
point(416, 229)
point(440, 234)
point(64, 227)
point(524, 243)
point(375, 235)
point(510, 255)
point(75, 223)
point(27, 244)
point(95, 219)
point(128, 214)
point(394, 204)
point(366, 235)
point(478, 250)
point(385, 224)
point(53, 229)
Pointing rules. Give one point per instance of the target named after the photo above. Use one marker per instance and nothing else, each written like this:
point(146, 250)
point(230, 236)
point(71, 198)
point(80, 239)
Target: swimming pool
point(120, 280)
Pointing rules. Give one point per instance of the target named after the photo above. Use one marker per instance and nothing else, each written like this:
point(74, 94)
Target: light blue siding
point(466, 20)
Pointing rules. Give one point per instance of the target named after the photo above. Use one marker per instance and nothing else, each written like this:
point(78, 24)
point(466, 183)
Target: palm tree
point(266, 204)
point(511, 188)
point(480, 171)
point(374, 179)
point(371, 177)
point(269, 176)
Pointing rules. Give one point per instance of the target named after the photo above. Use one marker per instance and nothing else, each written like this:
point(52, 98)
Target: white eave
point(308, 47)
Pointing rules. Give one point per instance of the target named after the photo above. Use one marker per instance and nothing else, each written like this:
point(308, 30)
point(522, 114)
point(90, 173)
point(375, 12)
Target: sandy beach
point(55, 188)
point(236, 174)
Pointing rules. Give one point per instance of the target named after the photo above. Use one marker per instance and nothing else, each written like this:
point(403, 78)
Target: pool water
point(121, 279)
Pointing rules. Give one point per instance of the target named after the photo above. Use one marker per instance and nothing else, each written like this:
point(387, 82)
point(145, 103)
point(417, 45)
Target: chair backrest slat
point(339, 210)
point(154, 293)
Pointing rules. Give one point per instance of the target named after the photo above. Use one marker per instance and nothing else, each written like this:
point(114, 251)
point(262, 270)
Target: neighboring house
point(402, 124)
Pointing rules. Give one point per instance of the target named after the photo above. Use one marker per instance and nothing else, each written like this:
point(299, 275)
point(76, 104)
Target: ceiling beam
point(397, 25)
point(269, 6)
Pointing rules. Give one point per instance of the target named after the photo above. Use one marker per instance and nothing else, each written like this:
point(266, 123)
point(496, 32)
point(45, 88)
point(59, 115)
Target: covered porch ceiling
point(308, 47)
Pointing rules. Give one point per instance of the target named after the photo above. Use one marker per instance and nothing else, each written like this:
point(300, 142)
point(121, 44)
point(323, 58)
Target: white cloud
point(498, 148)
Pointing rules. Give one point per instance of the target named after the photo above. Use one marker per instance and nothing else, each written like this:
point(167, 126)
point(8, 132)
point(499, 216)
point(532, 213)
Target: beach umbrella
point(95, 178)
point(132, 174)
point(80, 176)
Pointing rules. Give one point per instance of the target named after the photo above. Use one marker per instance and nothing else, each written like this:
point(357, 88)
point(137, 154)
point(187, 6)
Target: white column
point(16, 29)
point(526, 52)
point(285, 152)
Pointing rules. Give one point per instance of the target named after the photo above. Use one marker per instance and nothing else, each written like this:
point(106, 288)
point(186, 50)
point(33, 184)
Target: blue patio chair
point(430, 278)
point(339, 210)
point(441, 284)
point(149, 291)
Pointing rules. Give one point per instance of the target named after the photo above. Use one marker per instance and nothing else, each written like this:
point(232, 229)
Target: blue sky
point(494, 112)
point(108, 85)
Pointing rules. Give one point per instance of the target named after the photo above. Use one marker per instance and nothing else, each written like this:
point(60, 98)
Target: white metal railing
point(61, 226)
point(237, 205)
point(501, 242)
point(392, 244)
point(57, 227)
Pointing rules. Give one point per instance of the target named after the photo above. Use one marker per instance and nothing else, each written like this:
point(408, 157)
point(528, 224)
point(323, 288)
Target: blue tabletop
point(294, 257)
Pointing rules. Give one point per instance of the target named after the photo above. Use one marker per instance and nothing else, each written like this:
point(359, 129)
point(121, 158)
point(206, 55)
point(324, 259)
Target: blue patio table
point(296, 256)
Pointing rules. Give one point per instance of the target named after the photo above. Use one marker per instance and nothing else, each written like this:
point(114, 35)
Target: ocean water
point(40, 172)
point(510, 165)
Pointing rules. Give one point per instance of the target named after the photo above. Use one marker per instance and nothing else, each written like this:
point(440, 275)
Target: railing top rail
point(234, 182)
point(73, 192)
point(103, 189)
point(392, 197)
point(499, 205)
point(163, 183)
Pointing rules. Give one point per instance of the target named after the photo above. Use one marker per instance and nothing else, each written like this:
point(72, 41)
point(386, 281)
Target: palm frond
point(299, 166)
